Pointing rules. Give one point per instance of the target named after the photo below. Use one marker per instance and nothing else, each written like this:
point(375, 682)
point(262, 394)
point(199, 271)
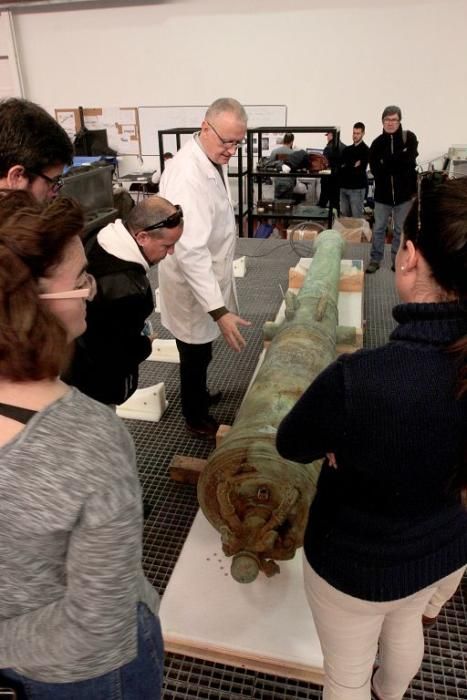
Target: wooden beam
point(226, 656)
point(186, 470)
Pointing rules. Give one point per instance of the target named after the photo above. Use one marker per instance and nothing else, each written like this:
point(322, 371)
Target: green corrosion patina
point(257, 500)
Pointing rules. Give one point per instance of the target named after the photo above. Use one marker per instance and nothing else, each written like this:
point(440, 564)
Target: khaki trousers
point(349, 630)
point(444, 592)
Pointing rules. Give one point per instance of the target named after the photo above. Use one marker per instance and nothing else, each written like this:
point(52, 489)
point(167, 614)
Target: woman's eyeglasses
point(85, 291)
point(55, 183)
point(171, 221)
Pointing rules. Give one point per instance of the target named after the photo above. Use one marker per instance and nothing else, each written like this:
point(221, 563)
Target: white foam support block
point(239, 267)
point(264, 625)
point(261, 357)
point(157, 307)
point(145, 404)
point(164, 351)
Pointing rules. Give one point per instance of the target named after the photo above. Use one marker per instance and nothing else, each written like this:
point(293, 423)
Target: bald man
point(108, 355)
point(197, 286)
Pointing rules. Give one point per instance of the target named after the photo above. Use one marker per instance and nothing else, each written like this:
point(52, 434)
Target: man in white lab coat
point(197, 287)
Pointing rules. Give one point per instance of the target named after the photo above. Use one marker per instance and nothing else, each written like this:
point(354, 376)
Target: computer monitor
point(92, 142)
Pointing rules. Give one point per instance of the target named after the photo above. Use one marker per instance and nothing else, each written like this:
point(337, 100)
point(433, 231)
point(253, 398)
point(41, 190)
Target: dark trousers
point(194, 362)
point(329, 191)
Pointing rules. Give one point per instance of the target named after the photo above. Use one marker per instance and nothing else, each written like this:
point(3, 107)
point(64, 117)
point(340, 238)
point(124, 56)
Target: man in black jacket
point(108, 355)
point(392, 161)
point(352, 176)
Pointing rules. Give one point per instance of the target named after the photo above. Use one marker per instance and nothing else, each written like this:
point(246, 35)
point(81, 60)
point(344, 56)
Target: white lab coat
point(198, 277)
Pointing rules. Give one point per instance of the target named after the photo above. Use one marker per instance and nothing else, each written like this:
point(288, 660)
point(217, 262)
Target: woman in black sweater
point(388, 525)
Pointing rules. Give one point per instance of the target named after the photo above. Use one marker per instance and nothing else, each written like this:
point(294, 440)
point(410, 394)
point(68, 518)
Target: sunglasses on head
point(171, 221)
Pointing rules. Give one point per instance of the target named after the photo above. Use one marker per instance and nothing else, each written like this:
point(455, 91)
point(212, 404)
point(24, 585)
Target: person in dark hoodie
point(108, 355)
point(392, 161)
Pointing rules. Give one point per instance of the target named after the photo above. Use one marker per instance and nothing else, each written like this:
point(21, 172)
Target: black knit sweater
point(388, 521)
point(107, 356)
point(393, 163)
point(351, 177)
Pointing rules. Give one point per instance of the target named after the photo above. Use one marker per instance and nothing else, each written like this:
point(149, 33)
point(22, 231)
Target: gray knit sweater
point(70, 544)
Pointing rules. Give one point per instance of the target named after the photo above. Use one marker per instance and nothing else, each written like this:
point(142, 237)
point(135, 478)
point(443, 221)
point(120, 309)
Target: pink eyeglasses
point(86, 291)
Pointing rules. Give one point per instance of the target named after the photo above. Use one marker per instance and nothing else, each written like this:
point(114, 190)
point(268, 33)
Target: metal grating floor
point(444, 670)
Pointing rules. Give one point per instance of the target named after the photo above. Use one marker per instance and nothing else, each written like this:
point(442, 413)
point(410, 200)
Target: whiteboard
point(155, 119)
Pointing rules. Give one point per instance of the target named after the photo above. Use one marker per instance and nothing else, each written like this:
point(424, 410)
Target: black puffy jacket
point(107, 357)
point(393, 163)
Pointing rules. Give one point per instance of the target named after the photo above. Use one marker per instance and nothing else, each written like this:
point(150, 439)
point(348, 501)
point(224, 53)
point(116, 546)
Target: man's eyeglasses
point(55, 183)
point(87, 290)
point(225, 142)
point(393, 120)
point(171, 221)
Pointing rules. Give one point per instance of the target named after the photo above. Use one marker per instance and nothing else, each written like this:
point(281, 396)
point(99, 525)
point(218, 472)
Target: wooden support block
point(348, 283)
point(359, 337)
point(221, 433)
point(185, 469)
point(349, 344)
point(352, 283)
point(224, 656)
point(296, 278)
point(341, 349)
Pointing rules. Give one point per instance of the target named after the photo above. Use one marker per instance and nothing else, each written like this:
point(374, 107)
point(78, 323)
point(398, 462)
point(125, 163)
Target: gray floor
point(443, 673)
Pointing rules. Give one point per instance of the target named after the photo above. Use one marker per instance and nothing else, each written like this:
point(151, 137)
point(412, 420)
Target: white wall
point(10, 77)
point(329, 61)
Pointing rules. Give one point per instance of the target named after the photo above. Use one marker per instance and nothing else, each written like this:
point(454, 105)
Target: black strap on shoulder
point(22, 415)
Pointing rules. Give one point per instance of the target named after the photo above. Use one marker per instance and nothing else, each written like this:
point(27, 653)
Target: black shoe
point(214, 398)
point(372, 267)
point(205, 428)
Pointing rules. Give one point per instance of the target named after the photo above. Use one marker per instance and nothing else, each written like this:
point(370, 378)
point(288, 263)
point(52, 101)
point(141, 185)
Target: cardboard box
point(304, 231)
point(353, 230)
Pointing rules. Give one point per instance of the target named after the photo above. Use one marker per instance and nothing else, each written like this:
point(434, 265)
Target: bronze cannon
point(257, 500)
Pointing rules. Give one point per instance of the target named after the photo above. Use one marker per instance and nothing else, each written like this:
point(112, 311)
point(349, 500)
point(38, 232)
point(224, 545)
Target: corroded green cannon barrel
point(257, 500)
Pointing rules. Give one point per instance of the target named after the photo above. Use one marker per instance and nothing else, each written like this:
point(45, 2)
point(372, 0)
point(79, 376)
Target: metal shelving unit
point(299, 211)
point(239, 172)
